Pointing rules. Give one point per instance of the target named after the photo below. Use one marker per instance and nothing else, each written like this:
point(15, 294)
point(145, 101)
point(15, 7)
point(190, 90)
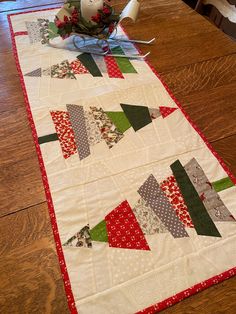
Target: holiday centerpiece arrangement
point(96, 19)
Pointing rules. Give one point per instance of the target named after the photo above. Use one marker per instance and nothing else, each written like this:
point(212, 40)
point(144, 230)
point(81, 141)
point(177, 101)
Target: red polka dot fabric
point(112, 68)
point(123, 229)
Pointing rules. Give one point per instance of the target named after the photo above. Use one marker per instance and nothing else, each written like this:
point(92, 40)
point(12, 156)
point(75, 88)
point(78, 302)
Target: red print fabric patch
point(78, 67)
point(166, 111)
point(124, 230)
point(112, 68)
point(65, 132)
point(172, 191)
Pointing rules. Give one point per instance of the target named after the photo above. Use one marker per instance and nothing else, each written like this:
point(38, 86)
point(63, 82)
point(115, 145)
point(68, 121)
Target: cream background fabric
point(110, 280)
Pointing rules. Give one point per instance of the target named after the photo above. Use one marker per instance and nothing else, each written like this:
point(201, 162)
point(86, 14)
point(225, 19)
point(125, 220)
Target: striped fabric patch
point(222, 184)
point(200, 217)
point(151, 192)
point(210, 198)
point(87, 60)
point(65, 132)
point(173, 193)
point(48, 138)
point(34, 33)
point(78, 122)
point(123, 63)
point(112, 68)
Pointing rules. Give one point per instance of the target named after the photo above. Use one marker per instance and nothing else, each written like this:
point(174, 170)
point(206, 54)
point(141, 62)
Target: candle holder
point(92, 24)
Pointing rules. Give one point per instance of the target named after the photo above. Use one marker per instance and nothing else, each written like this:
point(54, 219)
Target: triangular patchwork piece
point(62, 70)
point(147, 218)
point(120, 120)
point(124, 230)
point(80, 239)
point(154, 113)
point(107, 128)
point(78, 67)
point(166, 111)
point(138, 116)
point(87, 60)
point(99, 232)
point(47, 72)
point(35, 73)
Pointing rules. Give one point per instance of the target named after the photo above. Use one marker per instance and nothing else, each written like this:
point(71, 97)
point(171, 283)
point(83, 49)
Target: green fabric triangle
point(88, 61)
point(138, 116)
point(120, 120)
point(99, 232)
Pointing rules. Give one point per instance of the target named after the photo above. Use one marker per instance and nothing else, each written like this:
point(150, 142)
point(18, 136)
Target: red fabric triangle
point(123, 229)
point(166, 111)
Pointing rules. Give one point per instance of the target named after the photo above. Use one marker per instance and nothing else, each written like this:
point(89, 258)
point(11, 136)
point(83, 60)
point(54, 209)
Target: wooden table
point(196, 60)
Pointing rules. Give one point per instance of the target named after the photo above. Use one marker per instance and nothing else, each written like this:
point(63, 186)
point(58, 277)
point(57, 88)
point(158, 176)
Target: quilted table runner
point(142, 209)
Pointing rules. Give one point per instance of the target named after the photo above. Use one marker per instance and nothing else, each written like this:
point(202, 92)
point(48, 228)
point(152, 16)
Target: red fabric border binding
point(65, 276)
point(70, 298)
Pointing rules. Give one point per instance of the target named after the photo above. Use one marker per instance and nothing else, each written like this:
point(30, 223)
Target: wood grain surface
point(198, 63)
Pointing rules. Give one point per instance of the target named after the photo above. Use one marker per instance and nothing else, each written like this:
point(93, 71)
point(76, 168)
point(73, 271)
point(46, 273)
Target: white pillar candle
point(90, 8)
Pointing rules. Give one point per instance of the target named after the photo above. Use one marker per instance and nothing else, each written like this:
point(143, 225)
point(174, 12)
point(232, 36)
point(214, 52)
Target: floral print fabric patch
point(210, 198)
point(148, 220)
point(151, 192)
point(33, 30)
point(109, 131)
point(94, 134)
point(173, 193)
point(80, 239)
point(62, 70)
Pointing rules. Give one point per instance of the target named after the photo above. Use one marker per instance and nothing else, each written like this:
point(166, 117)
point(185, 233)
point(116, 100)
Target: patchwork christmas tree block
point(165, 208)
point(89, 128)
